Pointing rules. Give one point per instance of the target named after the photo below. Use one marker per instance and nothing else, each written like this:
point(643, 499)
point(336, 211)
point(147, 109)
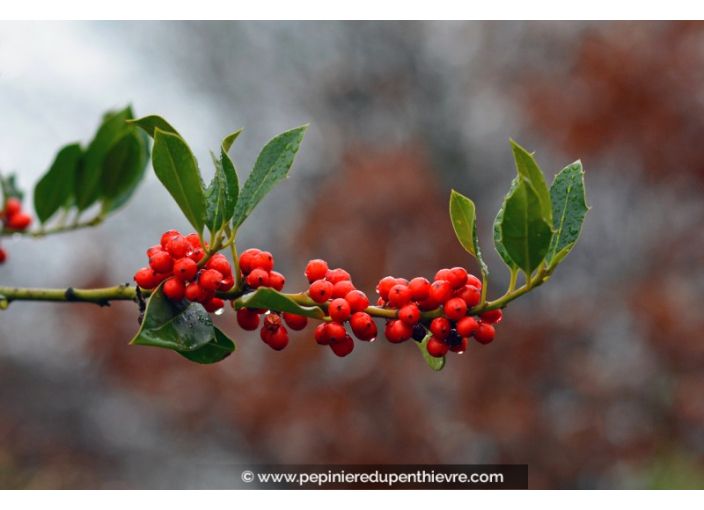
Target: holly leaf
point(151, 123)
point(498, 243)
point(274, 300)
point(55, 189)
point(216, 350)
point(531, 174)
point(464, 221)
point(436, 364)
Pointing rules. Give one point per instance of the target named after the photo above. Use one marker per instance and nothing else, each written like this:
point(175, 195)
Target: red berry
point(295, 322)
point(210, 279)
point(437, 348)
point(174, 289)
point(428, 304)
point(321, 335)
point(459, 277)
point(246, 260)
point(146, 278)
point(402, 281)
point(194, 240)
point(247, 319)
point(264, 334)
point(344, 347)
point(420, 289)
point(339, 310)
point(3, 255)
point(380, 302)
point(185, 269)
point(385, 286)
point(262, 260)
point(399, 296)
point(335, 332)
point(277, 281)
point(320, 291)
point(195, 292)
point(278, 339)
point(168, 236)
point(337, 275)
point(363, 326)
point(213, 304)
point(272, 321)
point(459, 348)
point(409, 314)
point(474, 281)
point(197, 255)
point(357, 299)
point(258, 278)
point(220, 263)
point(154, 249)
point(19, 221)
point(440, 291)
point(485, 333)
point(341, 289)
point(470, 295)
point(161, 262)
point(492, 316)
point(12, 207)
point(227, 284)
point(440, 328)
point(178, 247)
point(441, 275)
point(316, 270)
point(455, 309)
point(398, 331)
point(467, 326)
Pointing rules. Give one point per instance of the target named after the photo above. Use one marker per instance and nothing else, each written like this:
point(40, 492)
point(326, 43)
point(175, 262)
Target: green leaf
point(529, 171)
point(221, 194)
point(228, 168)
point(179, 326)
point(55, 189)
point(124, 166)
point(151, 123)
point(523, 231)
point(216, 350)
point(436, 364)
point(464, 221)
point(272, 165)
point(498, 243)
point(10, 189)
point(176, 168)
point(88, 178)
point(569, 207)
point(136, 178)
point(274, 300)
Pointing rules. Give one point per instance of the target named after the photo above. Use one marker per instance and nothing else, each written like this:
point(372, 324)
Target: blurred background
point(595, 380)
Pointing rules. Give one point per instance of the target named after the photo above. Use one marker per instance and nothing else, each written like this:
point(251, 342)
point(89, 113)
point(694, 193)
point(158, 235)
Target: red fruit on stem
point(19, 221)
point(410, 314)
point(220, 263)
point(320, 291)
point(399, 296)
point(335, 332)
point(213, 304)
point(278, 339)
point(194, 292)
point(485, 333)
point(3, 255)
point(168, 236)
point(437, 348)
point(420, 289)
point(321, 335)
point(247, 319)
point(474, 281)
point(155, 249)
point(12, 207)
point(161, 262)
point(342, 288)
point(363, 326)
point(316, 270)
point(459, 277)
point(357, 299)
point(262, 260)
point(470, 295)
point(146, 278)
point(194, 240)
point(174, 289)
point(385, 286)
point(178, 247)
point(277, 281)
point(428, 305)
point(440, 328)
point(246, 260)
point(227, 284)
point(337, 275)
point(397, 331)
point(455, 309)
point(440, 291)
point(467, 326)
point(185, 269)
point(492, 316)
point(258, 278)
point(295, 322)
point(339, 310)
point(441, 275)
point(344, 347)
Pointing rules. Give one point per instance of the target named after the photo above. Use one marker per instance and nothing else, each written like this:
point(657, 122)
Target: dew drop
point(219, 311)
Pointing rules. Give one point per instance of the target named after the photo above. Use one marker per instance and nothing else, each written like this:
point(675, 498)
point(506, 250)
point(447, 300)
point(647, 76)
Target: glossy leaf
point(216, 350)
point(464, 221)
point(55, 189)
point(530, 173)
point(10, 188)
point(570, 208)
point(179, 326)
point(88, 178)
point(124, 166)
point(436, 364)
point(523, 231)
point(176, 168)
point(151, 123)
point(228, 168)
point(498, 243)
point(272, 166)
point(274, 300)
point(221, 194)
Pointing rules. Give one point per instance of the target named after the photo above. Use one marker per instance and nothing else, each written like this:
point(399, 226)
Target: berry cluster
point(175, 261)
point(257, 269)
point(14, 219)
point(453, 290)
